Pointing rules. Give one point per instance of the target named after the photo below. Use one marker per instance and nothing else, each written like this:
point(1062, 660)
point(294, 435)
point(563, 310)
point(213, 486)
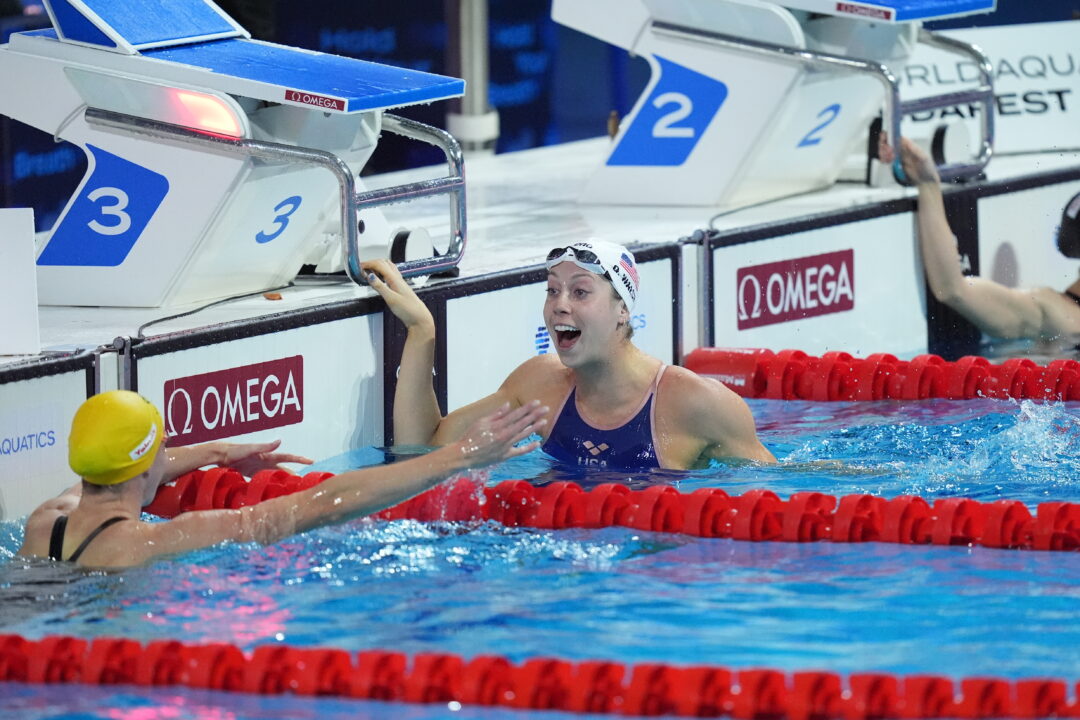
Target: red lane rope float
point(757, 515)
point(538, 683)
point(794, 375)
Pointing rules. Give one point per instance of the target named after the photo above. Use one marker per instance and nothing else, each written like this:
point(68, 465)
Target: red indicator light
point(206, 113)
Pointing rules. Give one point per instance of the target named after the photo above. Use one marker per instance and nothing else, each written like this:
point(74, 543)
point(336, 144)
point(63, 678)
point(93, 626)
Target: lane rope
point(594, 686)
point(838, 376)
point(756, 515)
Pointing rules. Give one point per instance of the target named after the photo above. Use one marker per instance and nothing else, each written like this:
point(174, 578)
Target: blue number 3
point(829, 114)
point(285, 209)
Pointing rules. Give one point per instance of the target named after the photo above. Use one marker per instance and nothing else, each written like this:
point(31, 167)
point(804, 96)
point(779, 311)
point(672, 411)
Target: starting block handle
point(893, 109)
point(452, 185)
point(350, 202)
point(982, 95)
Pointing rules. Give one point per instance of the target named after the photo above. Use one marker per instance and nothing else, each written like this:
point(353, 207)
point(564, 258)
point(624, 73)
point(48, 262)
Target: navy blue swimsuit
point(630, 446)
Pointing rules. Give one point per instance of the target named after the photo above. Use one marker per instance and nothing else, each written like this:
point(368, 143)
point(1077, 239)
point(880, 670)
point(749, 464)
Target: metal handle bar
point(893, 108)
point(349, 200)
point(452, 185)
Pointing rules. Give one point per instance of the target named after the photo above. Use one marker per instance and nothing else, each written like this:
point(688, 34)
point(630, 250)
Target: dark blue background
point(550, 84)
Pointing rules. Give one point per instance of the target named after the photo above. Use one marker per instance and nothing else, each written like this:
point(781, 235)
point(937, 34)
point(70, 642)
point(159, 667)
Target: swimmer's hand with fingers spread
point(250, 458)
point(246, 458)
point(495, 437)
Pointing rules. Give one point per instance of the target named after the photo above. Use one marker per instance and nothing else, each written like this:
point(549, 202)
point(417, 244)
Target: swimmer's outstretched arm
point(995, 309)
point(348, 495)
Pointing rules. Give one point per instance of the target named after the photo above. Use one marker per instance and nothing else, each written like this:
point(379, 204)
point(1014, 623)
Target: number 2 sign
point(105, 221)
point(672, 119)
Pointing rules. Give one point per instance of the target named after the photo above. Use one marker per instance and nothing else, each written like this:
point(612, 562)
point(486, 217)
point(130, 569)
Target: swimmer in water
point(613, 406)
point(116, 446)
point(1040, 313)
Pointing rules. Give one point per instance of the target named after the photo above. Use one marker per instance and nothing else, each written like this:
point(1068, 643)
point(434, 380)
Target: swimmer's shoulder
point(1061, 314)
point(688, 398)
point(688, 388)
point(543, 378)
point(39, 524)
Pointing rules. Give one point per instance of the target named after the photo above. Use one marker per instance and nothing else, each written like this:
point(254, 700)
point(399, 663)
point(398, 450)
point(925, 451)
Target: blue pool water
point(616, 593)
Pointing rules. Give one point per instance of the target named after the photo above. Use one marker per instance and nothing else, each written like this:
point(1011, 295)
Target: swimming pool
point(616, 593)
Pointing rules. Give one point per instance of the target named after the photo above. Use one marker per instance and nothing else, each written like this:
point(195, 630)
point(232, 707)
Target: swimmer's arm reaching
point(416, 409)
point(995, 309)
point(417, 417)
point(247, 458)
point(348, 495)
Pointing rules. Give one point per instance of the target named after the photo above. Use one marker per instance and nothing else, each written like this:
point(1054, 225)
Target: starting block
point(750, 101)
point(218, 164)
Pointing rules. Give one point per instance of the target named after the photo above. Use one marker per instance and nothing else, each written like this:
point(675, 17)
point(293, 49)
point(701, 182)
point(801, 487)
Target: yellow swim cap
point(114, 437)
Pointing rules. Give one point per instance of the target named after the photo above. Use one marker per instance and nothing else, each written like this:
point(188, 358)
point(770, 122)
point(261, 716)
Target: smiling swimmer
point(613, 406)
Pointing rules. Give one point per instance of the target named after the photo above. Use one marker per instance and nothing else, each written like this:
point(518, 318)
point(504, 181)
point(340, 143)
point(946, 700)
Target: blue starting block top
point(204, 47)
point(311, 78)
point(894, 10)
point(129, 25)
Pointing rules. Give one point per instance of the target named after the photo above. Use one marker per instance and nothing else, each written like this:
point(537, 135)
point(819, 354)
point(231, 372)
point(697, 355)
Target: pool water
point(616, 593)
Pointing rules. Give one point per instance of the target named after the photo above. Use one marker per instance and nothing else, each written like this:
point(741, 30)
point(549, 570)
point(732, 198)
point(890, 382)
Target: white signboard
point(1018, 237)
point(35, 418)
point(18, 292)
point(855, 287)
point(513, 331)
point(317, 388)
point(1036, 72)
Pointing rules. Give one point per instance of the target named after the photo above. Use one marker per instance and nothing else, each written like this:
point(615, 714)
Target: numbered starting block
point(217, 164)
point(751, 101)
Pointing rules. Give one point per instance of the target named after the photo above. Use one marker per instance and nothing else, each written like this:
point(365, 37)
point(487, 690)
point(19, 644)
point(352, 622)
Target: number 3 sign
point(105, 221)
point(672, 119)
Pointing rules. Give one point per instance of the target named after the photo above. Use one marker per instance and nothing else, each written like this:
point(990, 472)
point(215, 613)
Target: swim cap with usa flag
point(602, 257)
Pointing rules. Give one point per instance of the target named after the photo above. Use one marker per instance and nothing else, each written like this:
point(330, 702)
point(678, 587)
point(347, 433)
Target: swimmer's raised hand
point(384, 277)
point(250, 458)
point(917, 165)
point(494, 438)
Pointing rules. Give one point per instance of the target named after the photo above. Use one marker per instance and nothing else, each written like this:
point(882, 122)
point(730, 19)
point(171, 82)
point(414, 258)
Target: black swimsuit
point(1073, 296)
point(56, 541)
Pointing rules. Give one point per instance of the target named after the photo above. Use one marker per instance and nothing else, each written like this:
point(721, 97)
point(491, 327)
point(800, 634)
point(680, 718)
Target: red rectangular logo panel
point(317, 100)
point(221, 404)
point(788, 290)
point(864, 11)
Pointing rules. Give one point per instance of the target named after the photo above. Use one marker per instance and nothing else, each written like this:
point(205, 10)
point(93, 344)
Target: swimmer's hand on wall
point(495, 437)
point(917, 165)
point(250, 458)
point(384, 277)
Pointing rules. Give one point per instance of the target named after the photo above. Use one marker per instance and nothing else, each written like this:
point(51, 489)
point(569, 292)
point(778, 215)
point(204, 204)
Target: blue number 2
point(831, 112)
point(285, 209)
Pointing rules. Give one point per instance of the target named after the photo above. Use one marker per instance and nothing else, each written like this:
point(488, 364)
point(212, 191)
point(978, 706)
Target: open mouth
point(566, 336)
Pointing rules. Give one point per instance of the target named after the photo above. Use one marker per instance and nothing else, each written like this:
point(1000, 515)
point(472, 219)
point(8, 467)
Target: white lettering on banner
point(235, 401)
point(317, 100)
point(1036, 73)
point(24, 443)
point(795, 289)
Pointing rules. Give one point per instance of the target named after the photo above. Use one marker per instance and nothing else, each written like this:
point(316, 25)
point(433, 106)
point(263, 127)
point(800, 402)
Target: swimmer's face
point(582, 313)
